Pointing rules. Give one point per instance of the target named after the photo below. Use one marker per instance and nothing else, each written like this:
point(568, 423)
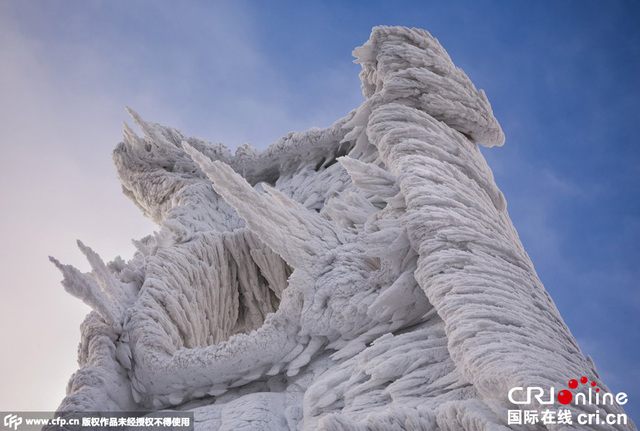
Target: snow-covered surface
point(363, 276)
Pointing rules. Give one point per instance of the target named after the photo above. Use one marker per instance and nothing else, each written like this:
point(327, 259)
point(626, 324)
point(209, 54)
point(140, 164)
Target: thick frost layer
point(364, 276)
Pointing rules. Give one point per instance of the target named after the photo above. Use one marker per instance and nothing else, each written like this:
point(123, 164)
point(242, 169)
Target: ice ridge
point(362, 276)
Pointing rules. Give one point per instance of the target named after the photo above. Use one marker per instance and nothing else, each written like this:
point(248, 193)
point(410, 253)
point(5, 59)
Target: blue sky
point(563, 79)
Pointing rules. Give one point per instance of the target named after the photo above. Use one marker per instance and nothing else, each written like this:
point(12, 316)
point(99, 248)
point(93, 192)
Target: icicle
point(289, 229)
point(85, 288)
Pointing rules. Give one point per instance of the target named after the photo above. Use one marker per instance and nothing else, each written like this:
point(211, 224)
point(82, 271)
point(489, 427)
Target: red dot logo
point(565, 397)
point(593, 383)
point(573, 383)
point(583, 380)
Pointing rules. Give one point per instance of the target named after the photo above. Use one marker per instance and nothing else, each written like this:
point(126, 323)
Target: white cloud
point(58, 184)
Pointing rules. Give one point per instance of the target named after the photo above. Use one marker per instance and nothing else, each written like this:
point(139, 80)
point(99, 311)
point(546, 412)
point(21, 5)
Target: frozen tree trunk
point(364, 276)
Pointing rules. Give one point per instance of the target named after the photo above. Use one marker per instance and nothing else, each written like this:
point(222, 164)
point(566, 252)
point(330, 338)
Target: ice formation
point(362, 276)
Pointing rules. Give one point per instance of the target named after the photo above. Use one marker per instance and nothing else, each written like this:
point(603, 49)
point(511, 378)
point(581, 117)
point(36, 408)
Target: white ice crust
point(363, 276)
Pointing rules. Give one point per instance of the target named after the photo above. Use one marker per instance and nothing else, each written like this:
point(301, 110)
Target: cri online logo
point(565, 396)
